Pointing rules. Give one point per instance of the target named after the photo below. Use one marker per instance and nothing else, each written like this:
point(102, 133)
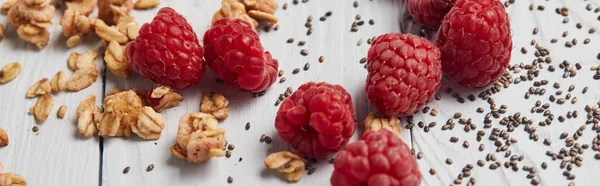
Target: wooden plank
point(436, 146)
point(331, 38)
point(58, 155)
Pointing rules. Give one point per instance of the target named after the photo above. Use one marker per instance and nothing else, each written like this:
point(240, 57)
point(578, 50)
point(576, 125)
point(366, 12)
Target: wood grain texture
point(331, 38)
point(59, 155)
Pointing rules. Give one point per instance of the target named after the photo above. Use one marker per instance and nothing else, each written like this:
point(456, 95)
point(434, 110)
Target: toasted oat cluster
point(11, 179)
point(199, 138)
point(124, 114)
point(375, 122)
point(289, 164)
point(215, 104)
point(32, 19)
point(248, 10)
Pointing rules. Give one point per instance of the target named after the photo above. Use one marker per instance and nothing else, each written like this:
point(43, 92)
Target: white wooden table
point(61, 156)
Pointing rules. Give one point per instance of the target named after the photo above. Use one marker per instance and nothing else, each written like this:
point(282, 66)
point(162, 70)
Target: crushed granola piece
point(58, 82)
point(62, 111)
point(86, 7)
point(82, 79)
point(87, 103)
point(1, 32)
point(149, 124)
point(9, 72)
point(163, 97)
point(109, 33)
point(116, 61)
point(40, 87)
point(233, 9)
point(121, 111)
point(42, 107)
point(3, 139)
point(111, 11)
point(12, 179)
point(21, 13)
point(7, 5)
point(80, 61)
point(215, 104)
point(74, 26)
point(198, 138)
point(146, 4)
point(289, 164)
point(86, 123)
point(34, 34)
point(375, 122)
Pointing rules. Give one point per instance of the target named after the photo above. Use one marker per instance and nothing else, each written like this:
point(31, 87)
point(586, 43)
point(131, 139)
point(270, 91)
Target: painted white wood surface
point(59, 155)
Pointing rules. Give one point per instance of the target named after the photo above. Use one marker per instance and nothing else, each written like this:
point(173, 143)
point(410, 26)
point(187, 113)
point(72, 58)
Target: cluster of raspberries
point(168, 52)
point(473, 48)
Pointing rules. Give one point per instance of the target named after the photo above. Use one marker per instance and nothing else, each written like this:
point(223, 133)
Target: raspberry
point(404, 73)
point(475, 41)
point(317, 119)
point(234, 53)
point(167, 51)
point(429, 13)
point(378, 158)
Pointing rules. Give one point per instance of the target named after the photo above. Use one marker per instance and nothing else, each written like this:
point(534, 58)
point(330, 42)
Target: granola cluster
point(248, 10)
point(11, 179)
point(32, 19)
point(123, 115)
point(198, 136)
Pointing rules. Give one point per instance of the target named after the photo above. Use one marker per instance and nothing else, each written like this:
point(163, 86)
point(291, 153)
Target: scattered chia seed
point(150, 168)
point(247, 126)
point(355, 4)
point(449, 161)
point(321, 59)
point(301, 43)
point(282, 80)
point(126, 170)
point(311, 171)
point(35, 128)
point(359, 42)
point(304, 52)
point(230, 179)
point(296, 70)
point(290, 40)
point(432, 171)
point(364, 60)
point(280, 73)
point(306, 66)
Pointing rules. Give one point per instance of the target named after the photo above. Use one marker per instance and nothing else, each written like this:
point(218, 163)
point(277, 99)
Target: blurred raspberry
point(167, 51)
point(404, 73)
point(379, 158)
point(234, 53)
point(317, 119)
point(475, 41)
point(429, 13)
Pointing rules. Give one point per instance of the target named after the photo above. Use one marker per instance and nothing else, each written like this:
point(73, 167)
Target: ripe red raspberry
point(404, 73)
point(475, 41)
point(429, 13)
point(379, 158)
point(167, 51)
point(317, 119)
point(234, 53)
